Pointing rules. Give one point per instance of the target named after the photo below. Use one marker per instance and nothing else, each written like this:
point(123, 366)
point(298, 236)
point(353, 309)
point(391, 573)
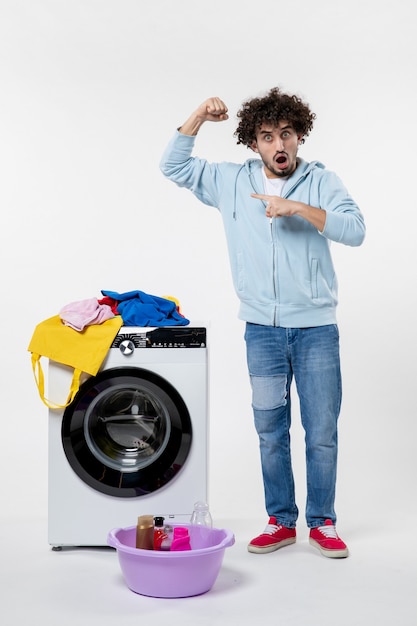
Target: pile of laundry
point(136, 308)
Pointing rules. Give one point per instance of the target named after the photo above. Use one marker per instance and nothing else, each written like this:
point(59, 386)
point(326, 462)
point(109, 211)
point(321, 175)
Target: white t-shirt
point(273, 186)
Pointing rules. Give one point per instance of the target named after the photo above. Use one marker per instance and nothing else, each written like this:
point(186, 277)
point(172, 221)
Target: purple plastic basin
point(180, 574)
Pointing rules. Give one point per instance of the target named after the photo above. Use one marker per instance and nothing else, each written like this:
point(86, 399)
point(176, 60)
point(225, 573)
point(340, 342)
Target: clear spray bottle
point(201, 515)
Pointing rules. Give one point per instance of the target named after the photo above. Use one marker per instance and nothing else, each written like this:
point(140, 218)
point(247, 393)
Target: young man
point(280, 214)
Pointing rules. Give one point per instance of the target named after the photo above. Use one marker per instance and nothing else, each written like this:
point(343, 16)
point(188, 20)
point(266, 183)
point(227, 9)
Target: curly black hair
point(273, 107)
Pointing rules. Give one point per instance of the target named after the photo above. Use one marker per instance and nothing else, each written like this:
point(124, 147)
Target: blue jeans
point(311, 355)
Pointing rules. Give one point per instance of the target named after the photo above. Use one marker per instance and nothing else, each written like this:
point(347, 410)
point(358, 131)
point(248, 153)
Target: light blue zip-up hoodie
point(282, 271)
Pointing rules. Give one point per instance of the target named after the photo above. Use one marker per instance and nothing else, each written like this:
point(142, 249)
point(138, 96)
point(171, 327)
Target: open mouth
point(281, 161)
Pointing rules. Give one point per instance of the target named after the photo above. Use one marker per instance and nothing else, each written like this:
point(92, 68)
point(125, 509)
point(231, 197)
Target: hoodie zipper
point(274, 273)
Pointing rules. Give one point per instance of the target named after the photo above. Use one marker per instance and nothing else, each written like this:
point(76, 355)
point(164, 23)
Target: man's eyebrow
point(267, 132)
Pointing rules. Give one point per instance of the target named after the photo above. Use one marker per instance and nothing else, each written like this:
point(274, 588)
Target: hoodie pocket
point(240, 272)
point(314, 278)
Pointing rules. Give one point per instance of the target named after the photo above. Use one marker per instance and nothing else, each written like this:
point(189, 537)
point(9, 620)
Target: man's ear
point(254, 146)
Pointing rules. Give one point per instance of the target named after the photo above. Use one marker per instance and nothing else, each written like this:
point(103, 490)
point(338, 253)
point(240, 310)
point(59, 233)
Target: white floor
point(295, 586)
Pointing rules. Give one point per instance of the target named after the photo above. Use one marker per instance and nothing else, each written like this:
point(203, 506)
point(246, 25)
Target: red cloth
point(111, 302)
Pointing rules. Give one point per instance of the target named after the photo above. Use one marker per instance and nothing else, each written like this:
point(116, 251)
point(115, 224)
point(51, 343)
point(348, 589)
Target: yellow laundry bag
point(83, 351)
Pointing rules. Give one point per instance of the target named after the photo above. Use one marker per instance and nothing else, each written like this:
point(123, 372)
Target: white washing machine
point(135, 439)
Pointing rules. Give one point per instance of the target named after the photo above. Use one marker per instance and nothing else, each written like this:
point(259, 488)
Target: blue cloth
point(138, 308)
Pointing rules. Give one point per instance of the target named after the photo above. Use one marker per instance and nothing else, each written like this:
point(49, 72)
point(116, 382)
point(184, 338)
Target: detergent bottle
point(162, 537)
point(181, 539)
point(144, 532)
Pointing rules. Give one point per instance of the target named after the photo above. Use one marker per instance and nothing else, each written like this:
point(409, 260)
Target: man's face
point(277, 146)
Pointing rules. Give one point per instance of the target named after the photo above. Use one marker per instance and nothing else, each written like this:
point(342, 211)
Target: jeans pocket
point(268, 392)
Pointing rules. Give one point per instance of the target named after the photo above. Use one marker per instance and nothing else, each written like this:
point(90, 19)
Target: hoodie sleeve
point(197, 175)
point(344, 220)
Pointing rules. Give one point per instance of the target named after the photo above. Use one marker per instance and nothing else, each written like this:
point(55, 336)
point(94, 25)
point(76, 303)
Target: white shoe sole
point(272, 547)
point(332, 554)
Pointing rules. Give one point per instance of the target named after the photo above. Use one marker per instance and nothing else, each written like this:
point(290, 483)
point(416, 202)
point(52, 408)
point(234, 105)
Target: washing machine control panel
point(165, 337)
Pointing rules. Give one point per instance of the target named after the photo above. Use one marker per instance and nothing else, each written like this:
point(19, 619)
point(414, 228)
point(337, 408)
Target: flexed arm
point(211, 110)
point(178, 164)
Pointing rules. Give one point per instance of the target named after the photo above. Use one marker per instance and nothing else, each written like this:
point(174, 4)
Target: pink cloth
point(83, 313)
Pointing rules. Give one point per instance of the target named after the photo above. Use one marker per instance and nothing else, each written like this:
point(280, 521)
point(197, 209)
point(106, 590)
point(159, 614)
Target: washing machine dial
point(127, 347)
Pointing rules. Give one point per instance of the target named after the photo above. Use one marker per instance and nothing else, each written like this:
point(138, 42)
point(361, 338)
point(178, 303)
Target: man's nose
point(279, 144)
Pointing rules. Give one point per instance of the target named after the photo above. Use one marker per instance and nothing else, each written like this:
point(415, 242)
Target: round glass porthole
point(127, 433)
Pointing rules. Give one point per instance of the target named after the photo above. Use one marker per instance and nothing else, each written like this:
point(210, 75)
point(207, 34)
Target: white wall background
point(90, 93)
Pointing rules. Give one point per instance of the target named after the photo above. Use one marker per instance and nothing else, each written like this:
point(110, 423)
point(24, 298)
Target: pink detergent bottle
point(181, 539)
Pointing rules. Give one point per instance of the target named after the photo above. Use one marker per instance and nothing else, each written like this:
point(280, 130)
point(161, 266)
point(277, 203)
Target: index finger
point(261, 196)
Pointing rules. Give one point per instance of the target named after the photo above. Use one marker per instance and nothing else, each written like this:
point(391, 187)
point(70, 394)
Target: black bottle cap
point(159, 521)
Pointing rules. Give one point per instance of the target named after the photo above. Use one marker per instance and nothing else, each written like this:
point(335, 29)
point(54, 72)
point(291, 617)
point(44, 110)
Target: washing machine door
point(127, 433)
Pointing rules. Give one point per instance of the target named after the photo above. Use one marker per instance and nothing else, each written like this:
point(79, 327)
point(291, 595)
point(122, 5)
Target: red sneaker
point(326, 539)
point(274, 536)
